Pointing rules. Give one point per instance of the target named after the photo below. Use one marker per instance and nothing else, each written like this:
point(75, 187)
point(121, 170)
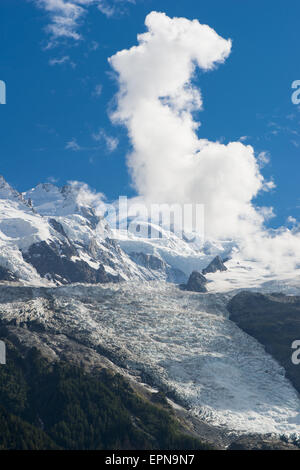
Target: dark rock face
point(7, 275)
point(161, 399)
point(57, 226)
point(175, 275)
point(216, 264)
point(90, 215)
point(148, 261)
point(257, 442)
point(274, 320)
point(196, 283)
point(156, 264)
point(54, 262)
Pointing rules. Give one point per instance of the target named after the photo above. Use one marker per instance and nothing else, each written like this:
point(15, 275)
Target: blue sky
point(56, 126)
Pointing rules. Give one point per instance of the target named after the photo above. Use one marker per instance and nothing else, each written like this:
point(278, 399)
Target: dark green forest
point(59, 406)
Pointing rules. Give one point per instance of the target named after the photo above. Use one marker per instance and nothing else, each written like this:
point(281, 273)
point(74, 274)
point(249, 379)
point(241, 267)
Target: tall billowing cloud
point(169, 163)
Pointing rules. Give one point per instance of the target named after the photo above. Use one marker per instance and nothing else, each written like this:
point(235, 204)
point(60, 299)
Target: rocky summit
point(215, 265)
point(196, 283)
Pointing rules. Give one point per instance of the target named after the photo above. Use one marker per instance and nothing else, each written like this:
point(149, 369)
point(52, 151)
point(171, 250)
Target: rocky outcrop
point(55, 263)
point(217, 264)
point(57, 226)
point(148, 261)
point(196, 283)
point(258, 442)
point(274, 320)
point(154, 263)
point(7, 275)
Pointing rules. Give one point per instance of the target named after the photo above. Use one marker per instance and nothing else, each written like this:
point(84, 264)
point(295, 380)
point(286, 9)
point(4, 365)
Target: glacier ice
point(178, 341)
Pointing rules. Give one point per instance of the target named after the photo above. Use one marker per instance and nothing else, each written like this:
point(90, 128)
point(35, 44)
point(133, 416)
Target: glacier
point(180, 342)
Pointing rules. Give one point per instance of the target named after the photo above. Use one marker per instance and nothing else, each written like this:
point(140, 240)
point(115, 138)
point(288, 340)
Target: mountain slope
point(62, 406)
point(51, 235)
point(274, 320)
point(179, 342)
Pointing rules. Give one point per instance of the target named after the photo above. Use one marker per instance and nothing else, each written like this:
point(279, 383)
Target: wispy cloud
point(52, 179)
point(97, 90)
point(62, 60)
point(108, 9)
point(291, 220)
point(110, 142)
point(295, 143)
point(94, 46)
point(66, 16)
point(101, 137)
point(263, 158)
point(73, 145)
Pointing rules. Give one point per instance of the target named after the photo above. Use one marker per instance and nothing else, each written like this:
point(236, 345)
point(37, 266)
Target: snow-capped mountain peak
point(7, 192)
point(50, 200)
point(50, 234)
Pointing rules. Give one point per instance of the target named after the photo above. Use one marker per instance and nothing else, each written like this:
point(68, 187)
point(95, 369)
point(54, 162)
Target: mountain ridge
point(72, 229)
point(53, 237)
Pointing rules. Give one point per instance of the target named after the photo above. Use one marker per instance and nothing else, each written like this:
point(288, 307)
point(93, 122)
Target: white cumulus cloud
point(169, 163)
